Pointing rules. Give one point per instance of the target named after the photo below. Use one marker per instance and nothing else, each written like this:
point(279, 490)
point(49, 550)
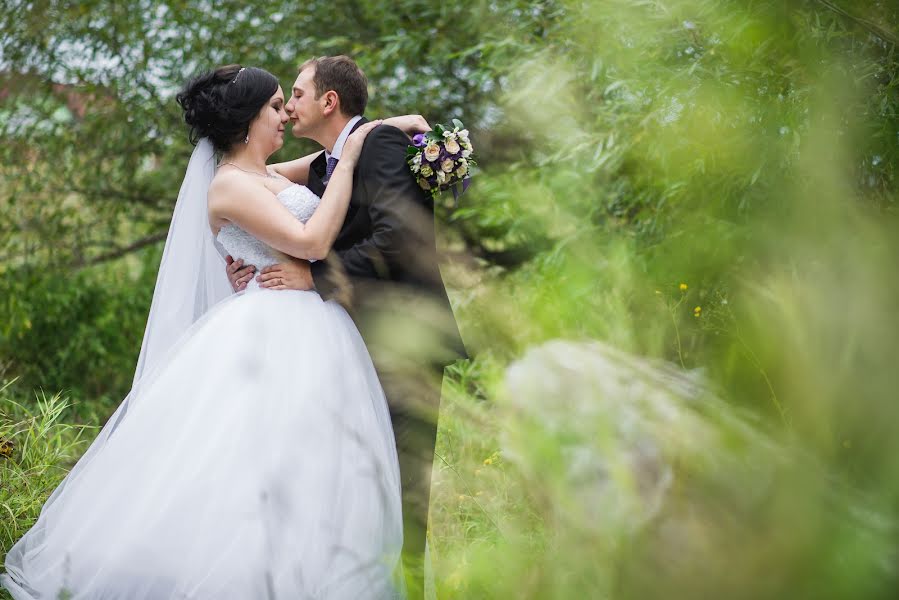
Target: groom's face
point(305, 111)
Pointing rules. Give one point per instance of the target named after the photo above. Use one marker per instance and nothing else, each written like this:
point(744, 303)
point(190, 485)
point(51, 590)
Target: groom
point(383, 268)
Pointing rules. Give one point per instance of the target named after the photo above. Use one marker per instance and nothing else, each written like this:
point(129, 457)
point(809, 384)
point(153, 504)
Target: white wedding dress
point(257, 461)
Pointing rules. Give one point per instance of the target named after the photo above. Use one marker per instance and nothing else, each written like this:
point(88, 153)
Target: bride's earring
point(246, 140)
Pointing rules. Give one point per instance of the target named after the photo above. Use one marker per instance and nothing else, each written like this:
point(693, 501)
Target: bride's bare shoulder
point(226, 182)
point(228, 190)
point(230, 185)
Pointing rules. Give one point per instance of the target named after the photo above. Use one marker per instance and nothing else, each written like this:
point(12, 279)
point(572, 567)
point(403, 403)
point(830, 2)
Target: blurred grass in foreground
point(714, 184)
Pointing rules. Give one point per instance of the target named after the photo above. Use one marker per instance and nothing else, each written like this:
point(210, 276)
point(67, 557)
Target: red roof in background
point(74, 96)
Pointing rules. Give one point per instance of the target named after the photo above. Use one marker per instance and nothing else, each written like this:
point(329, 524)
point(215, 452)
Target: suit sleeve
point(391, 196)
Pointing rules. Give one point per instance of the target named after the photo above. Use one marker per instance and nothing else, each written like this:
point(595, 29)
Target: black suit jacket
point(386, 248)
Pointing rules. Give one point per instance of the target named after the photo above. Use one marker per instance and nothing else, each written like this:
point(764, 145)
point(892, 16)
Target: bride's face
point(268, 126)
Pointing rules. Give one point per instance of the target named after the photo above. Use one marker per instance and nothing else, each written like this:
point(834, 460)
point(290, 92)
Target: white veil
point(191, 280)
point(192, 274)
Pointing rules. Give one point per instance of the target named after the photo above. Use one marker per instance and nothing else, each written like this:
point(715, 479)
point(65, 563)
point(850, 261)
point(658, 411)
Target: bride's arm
point(409, 124)
point(257, 211)
point(297, 170)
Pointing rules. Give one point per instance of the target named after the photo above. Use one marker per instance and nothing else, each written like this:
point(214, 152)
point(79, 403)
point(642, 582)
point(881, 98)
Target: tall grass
point(41, 449)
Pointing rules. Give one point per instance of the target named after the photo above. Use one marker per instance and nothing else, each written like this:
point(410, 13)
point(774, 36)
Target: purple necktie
point(329, 170)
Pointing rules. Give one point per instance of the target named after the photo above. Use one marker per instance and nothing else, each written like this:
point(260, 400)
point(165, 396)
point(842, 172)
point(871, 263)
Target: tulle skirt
point(257, 461)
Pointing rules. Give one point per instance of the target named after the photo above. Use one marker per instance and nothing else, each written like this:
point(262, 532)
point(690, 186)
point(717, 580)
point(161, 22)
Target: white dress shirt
point(341, 139)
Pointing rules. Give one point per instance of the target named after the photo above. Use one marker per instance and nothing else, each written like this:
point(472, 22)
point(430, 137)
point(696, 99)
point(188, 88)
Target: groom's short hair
point(343, 75)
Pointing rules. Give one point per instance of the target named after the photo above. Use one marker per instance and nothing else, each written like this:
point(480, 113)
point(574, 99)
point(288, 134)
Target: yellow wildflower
point(683, 287)
point(454, 580)
point(488, 460)
point(697, 311)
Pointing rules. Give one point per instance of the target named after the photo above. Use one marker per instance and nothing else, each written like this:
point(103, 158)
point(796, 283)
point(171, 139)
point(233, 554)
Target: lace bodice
point(298, 199)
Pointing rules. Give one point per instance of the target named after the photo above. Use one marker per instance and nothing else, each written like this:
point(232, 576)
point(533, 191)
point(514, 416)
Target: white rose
point(441, 177)
point(424, 184)
point(463, 134)
point(432, 152)
point(466, 153)
point(447, 165)
point(462, 170)
point(449, 134)
point(416, 160)
point(427, 171)
point(452, 146)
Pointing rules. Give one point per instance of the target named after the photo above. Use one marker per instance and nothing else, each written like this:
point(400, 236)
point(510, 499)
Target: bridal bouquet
point(442, 158)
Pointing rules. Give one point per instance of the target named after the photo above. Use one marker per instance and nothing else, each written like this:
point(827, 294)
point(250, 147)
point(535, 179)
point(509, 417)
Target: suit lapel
point(317, 174)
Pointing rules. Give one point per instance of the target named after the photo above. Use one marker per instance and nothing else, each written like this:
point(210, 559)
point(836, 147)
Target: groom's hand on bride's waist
point(238, 274)
point(291, 275)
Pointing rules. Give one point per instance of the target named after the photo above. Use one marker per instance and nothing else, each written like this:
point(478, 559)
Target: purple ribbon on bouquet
point(456, 193)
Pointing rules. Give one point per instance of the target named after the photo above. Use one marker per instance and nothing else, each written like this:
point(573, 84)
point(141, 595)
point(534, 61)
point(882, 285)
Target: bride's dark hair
point(220, 104)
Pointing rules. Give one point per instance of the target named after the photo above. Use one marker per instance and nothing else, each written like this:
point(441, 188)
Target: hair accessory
point(238, 74)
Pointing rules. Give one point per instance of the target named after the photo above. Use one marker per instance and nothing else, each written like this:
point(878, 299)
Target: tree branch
point(149, 240)
point(113, 194)
point(877, 30)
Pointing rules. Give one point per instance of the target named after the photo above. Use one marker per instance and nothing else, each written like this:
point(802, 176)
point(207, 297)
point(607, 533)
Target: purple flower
point(419, 140)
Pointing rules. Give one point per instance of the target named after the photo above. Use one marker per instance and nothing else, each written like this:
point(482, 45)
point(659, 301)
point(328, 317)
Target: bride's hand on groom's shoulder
point(353, 145)
point(290, 275)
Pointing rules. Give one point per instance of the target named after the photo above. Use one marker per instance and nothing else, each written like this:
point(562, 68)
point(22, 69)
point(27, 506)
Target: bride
point(254, 456)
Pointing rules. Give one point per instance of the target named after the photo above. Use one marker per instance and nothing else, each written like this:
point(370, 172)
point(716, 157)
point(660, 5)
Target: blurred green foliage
point(79, 333)
point(708, 183)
